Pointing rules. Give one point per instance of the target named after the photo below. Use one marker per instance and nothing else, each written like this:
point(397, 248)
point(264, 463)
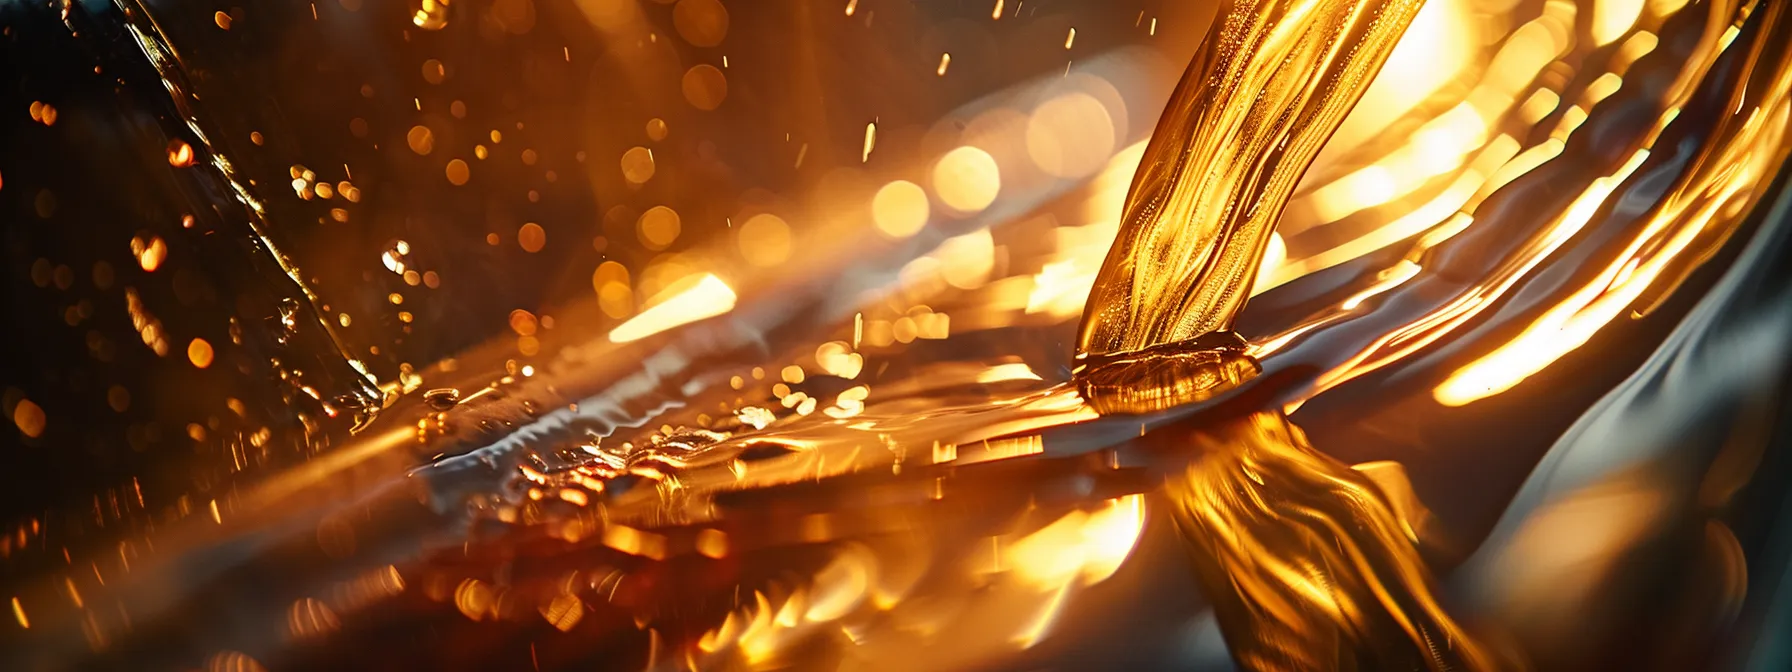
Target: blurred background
point(240, 240)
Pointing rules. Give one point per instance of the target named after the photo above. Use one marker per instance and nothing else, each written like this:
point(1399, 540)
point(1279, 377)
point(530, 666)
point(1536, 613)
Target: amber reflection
point(1307, 564)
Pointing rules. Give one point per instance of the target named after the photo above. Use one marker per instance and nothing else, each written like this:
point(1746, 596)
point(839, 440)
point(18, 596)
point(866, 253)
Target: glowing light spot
point(658, 228)
point(637, 165)
point(870, 141)
point(29, 417)
point(657, 129)
point(310, 618)
point(704, 87)
point(430, 14)
point(1273, 256)
point(1070, 136)
point(966, 261)
point(523, 322)
point(474, 599)
point(1613, 18)
point(1089, 545)
point(611, 283)
point(900, 209)
point(684, 302)
point(222, 19)
point(703, 23)
point(18, 613)
point(945, 62)
point(151, 256)
point(180, 154)
point(43, 112)
point(764, 240)
point(421, 140)
point(564, 612)
point(531, 237)
point(434, 72)
point(712, 543)
point(457, 172)
point(232, 661)
point(1070, 40)
point(967, 179)
point(199, 352)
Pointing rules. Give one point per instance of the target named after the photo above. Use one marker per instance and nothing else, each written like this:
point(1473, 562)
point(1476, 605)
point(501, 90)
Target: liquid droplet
point(442, 399)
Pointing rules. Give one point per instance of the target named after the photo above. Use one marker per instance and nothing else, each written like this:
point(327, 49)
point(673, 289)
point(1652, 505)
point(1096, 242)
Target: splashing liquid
point(1307, 565)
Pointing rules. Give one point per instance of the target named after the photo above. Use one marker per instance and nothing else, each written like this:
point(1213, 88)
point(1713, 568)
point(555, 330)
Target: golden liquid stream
point(1270, 84)
point(1305, 560)
point(1307, 565)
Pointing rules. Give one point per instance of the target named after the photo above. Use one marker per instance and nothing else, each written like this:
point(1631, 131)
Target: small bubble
point(703, 23)
point(531, 237)
point(704, 87)
point(434, 72)
point(421, 140)
point(658, 228)
point(442, 398)
point(457, 172)
point(637, 165)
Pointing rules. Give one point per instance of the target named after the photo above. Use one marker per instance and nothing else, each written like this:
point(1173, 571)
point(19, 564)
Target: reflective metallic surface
point(536, 334)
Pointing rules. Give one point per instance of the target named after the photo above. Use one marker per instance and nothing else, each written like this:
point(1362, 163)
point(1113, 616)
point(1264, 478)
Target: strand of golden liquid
point(1270, 84)
point(1305, 562)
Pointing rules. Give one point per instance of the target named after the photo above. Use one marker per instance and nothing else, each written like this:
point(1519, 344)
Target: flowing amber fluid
point(1269, 85)
point(1305, 562)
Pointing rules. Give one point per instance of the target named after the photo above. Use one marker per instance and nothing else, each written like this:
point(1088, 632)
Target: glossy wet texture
point(871, 452)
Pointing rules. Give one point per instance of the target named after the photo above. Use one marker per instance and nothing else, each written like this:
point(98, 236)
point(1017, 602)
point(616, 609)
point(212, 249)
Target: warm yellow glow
point(18, 613)
point(900, 209)
point(1070, 136)
point(1435, 48)
point(1089, 545)
point(684, 302)
point(199, 352)
point(1273, 256)
point(967, 179)
point(966, 261)
point(764, 240)
point(635, 542)
point(637, 165)
point(421, 140)
point(658, 227)
point(611, 282)
point(151, 255)
point(704, 86)
point(1613, 18)
point(1668, 233)
point(1006, 372)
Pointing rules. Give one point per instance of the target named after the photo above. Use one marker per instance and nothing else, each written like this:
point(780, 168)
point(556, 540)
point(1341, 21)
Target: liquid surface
point(927, 486)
